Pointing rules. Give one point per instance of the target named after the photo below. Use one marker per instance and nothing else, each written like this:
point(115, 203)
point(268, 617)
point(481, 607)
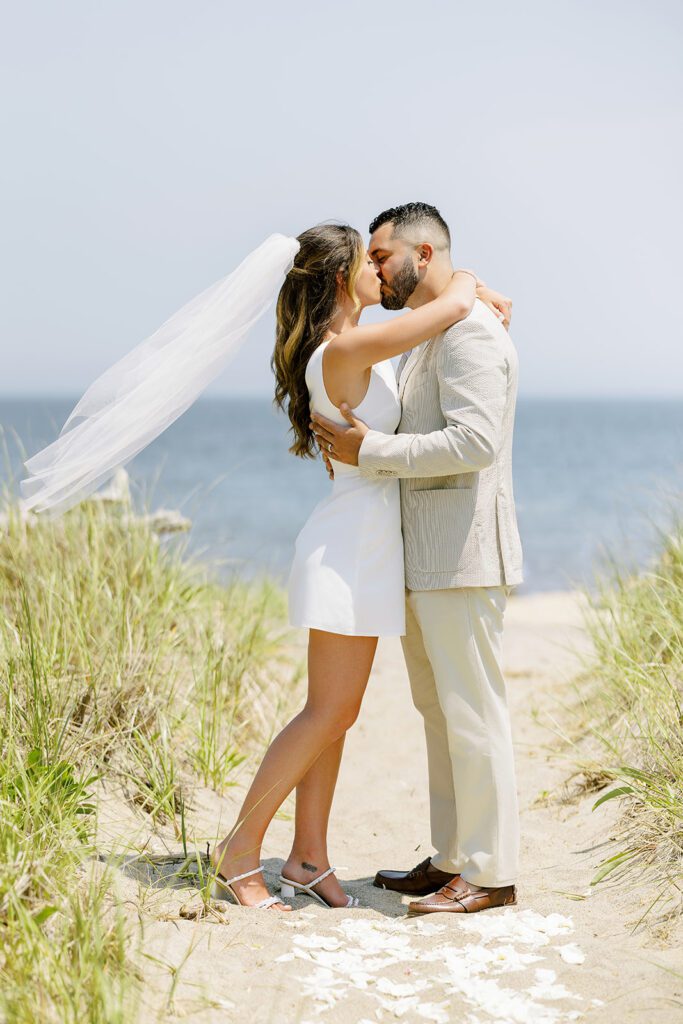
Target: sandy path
point(564, 953)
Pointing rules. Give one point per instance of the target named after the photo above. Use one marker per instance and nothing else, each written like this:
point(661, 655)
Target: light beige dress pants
point(452, 649)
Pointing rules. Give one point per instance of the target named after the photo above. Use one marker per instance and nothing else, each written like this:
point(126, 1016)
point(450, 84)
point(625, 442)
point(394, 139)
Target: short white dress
point(348, 573)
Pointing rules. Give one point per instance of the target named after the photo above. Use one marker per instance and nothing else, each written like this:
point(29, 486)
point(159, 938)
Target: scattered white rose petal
point(398, 1007)
point(424, 926)
point(503, 1004)
point(547, 988)
point(317, 942)
point(358, 952)
point(400, 989)
point(361, 979)
point(372, 938)
point(571, 954)
point(323, 986)
point(526, 926)
point(435, 1012)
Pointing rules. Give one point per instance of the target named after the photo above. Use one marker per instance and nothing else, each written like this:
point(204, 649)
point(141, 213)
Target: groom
point(453, 455)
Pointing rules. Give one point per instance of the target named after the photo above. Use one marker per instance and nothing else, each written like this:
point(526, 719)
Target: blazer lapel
point(401, 365)
point(411, 362)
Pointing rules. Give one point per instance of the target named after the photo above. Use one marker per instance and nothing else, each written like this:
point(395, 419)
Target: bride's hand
point(500, 305)
point(342, 444)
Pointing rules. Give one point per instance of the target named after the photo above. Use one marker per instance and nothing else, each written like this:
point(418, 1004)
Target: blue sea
point(594, 480)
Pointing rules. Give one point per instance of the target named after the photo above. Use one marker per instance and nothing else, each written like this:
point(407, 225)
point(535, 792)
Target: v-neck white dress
point(348, 575)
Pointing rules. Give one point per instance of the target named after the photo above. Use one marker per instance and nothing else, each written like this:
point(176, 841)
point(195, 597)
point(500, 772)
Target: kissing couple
point(417, 538)
point(429, 453)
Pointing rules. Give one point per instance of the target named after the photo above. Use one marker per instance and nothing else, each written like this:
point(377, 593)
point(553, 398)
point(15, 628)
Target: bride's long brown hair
point(306, 307)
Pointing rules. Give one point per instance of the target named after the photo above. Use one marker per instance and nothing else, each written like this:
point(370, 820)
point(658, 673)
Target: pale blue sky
point(148, 146)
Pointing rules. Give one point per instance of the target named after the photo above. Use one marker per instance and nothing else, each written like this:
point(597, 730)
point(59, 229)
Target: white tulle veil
point(142, 394)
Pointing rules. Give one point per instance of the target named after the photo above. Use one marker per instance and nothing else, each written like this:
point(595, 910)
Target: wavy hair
point(306, 306)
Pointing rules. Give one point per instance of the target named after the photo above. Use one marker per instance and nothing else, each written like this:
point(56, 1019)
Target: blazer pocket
point(439, 531)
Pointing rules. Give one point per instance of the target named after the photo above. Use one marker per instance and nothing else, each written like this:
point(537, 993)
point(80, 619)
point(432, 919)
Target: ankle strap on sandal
point(238, 878)
point(314, 881)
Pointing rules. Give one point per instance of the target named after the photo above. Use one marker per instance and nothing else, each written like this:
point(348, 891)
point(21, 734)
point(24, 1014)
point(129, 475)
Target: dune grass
point(632, 712)
point(122, 664)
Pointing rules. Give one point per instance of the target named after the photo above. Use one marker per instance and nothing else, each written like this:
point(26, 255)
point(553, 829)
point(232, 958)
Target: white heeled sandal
point(221, 886)
point(289, 889)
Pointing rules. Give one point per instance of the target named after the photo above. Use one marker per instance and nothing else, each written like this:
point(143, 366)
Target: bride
point(346, 582)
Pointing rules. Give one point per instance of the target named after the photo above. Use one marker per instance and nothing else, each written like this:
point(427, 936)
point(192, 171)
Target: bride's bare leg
point(314, 794)
point(338, 672)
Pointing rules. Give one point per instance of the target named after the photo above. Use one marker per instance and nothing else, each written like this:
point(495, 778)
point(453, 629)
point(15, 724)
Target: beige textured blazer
point(453, 455)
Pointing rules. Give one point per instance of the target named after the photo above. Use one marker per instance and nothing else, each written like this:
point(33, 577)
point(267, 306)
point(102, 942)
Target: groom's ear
point(425, 252)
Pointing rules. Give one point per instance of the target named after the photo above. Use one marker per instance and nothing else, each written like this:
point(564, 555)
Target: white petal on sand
point(323, 986)
point(423, 926)
point(506, 1005)
point(524, 926)
point(360, 979)
point(398, 1007)
point(358, 955)
point(317, 942)
point(373, 938)
point(464, 962)
point(571, 954)
point(499, 1003)
point(436, 1012)
point(546, 987)
point(500, 958)
point(401, 989)
point(351, 960)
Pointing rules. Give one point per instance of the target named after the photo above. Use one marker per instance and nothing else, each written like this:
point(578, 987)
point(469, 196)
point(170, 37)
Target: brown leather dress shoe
point(419, 881)
point(458, 897)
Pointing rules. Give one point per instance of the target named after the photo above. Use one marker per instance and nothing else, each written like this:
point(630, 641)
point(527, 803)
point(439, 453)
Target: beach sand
point(567, 951)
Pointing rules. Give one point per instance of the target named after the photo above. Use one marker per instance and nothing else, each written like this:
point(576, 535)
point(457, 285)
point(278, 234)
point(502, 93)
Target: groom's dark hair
point(413, 215)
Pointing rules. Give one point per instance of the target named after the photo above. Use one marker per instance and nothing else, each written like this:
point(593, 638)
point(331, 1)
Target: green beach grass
point(631, 715)
point(121, 663)
point(124, 666)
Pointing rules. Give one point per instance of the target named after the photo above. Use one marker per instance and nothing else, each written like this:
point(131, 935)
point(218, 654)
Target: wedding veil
point(143, 393)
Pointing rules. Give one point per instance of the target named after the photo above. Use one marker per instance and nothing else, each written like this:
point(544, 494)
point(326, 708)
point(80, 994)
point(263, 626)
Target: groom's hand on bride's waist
point(345, 442)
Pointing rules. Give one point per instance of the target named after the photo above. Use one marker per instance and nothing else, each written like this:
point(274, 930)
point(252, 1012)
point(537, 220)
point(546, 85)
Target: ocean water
point(593, 479)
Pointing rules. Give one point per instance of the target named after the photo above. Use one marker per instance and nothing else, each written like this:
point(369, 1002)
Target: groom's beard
point(402, 287)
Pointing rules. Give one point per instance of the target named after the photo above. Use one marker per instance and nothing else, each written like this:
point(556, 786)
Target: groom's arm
point(472, 375)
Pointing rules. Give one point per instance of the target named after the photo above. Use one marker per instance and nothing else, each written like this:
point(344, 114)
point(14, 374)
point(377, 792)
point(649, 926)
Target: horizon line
point(534, 396)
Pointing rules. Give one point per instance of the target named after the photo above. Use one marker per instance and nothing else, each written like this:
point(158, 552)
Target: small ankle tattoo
point(308, 867)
